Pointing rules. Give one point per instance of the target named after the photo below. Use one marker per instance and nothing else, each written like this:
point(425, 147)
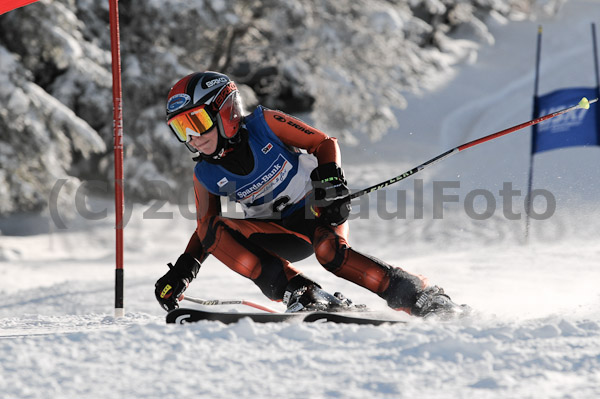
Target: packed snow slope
point(536, 330)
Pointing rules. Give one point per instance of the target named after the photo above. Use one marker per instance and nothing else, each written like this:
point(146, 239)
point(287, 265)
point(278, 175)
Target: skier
point(287, 177)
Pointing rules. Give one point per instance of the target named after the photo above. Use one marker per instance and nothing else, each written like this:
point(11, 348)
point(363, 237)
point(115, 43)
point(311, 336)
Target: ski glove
point(330, 194)
point(169, 288)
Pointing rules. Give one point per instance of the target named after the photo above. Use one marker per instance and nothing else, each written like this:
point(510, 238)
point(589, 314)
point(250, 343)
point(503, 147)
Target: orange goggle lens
point(194, 122)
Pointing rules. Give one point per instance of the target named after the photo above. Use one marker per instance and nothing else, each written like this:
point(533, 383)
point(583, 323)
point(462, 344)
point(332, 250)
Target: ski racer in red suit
point(287, 177)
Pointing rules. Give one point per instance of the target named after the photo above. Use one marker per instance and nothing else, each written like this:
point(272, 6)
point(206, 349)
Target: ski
point(186, 315)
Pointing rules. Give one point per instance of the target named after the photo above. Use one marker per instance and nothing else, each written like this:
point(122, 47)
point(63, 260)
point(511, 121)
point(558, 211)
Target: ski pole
point(583, 104)
point(211, 302)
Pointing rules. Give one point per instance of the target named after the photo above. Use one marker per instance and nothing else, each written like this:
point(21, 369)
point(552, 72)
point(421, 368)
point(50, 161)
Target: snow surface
point(537, 329)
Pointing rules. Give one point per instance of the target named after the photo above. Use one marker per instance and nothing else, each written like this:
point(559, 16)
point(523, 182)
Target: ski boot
point(433, 302)
point(312, 298)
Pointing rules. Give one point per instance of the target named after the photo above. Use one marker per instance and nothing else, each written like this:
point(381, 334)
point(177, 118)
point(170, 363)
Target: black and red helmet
point(201, 101)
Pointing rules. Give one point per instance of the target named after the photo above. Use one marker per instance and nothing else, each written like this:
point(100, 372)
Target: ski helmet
point(201, 101)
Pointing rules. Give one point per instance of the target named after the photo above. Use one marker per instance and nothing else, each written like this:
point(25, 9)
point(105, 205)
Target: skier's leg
point(398, 287)
point(234, 242)
point(292, 246)
point(224, 238)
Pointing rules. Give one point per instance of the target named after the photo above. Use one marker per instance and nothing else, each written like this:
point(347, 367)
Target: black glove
point(330, 194)
point(336, 213)
point(170, 287)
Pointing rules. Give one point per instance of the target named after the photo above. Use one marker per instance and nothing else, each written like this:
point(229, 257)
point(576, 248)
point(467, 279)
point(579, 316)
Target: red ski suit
point(238, 243)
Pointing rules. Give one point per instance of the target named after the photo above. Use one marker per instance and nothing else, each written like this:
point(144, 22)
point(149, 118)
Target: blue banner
point(576, 128)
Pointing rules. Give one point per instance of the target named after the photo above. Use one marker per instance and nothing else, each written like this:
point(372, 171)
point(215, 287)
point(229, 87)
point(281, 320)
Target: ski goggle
point(193, 122)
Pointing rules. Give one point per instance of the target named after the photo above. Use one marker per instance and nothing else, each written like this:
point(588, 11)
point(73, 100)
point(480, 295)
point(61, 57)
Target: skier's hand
point(330, 194)
point(336, 213)
point(328, 182)
point(169, 288)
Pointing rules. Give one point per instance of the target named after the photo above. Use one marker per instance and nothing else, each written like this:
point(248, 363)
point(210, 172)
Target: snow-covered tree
point(342, 64)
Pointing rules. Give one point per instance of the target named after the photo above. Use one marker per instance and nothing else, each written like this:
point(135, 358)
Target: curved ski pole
point(210, 302)
point(583, 104)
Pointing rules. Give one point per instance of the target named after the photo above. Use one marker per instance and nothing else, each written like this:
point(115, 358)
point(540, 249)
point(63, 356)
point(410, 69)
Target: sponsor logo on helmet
point(222, 96)
point(216, 81)
point(178, 101)
point(279, 118)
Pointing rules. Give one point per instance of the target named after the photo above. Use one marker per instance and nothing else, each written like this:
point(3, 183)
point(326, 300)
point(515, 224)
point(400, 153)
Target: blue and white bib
point(278, 183)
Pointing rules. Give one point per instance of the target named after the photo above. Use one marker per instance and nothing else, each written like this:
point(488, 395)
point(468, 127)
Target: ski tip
point(584, 103)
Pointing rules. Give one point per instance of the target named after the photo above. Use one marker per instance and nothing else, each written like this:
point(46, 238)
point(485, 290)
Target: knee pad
point(330, 251)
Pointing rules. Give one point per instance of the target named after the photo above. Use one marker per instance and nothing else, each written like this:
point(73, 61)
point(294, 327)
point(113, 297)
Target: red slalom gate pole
point(583, 104)
point(118, 152)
